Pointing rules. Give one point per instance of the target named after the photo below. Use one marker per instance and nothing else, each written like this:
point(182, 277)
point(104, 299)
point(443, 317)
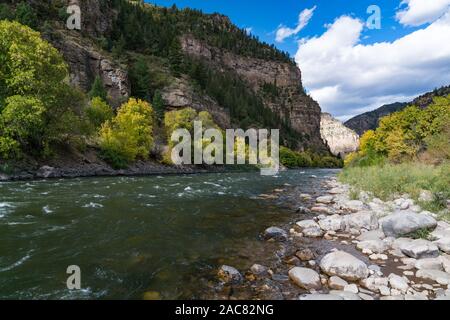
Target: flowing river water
point(131, 235)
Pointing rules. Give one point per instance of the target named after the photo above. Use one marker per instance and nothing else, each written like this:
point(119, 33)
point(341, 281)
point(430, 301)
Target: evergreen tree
point(175, 57)
point(98, 90)
point(140, 79)
point(158, 105)
point(26, 15)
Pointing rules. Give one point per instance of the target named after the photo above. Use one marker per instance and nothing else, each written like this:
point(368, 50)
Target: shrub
point(98, 90)
point(129, 135)
point(98, 112)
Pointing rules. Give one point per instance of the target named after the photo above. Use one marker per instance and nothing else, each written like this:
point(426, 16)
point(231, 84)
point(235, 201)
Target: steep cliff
point(290, 101)
point(340, 139)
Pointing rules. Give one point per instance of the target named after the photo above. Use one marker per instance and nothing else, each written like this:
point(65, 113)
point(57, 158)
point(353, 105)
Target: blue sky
point(346, 66)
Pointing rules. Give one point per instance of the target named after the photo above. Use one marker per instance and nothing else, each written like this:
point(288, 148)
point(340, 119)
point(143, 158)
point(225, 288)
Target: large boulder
point(376, 246)
point(403, 222)
point(443, 244)
point(344, 265)
point(305, 278)
point(440, 277)
point(332, 223)
point(420, 249)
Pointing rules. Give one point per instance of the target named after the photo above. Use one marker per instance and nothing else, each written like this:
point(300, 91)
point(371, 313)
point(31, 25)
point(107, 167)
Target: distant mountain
point(369, 120)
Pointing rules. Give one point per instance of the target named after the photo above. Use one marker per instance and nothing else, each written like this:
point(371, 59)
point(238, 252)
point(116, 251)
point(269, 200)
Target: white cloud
point(348, 78)
point(419, 12)
point(249, 30)
point(303, 20)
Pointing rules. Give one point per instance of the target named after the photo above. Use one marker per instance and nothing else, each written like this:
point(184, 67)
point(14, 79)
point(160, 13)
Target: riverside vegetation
point(42, 116)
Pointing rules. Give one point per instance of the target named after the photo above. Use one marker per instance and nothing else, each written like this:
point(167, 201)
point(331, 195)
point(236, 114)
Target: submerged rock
point(344, 265)
point(275, 233)
point(230, 275)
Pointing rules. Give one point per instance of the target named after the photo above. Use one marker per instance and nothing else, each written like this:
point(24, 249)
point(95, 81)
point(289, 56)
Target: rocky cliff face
point(340, 139)
point(292, 103)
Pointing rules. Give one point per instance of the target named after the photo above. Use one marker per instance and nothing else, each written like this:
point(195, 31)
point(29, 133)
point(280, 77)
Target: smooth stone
point(398, 283)
point(374, 283)
point(310, 228)
point(325, 199)
point(230, 275)
point(365, 296)
point(376, 246)
point(332, 223)
point(443, 245)
point(384, 290)
point(419, 249)
point(337, 283)
point(259, 270)
point(275, 233)
point(392, 298)
point(305, 278)
point(429, 263)
point(305, 254)
point(353, 205)
point(426, 196)
point(324, 210)
point(353, 288)
point(404, 222)
point(362, 220)
point(344, 265)
point(377, 234)
point(438, 276)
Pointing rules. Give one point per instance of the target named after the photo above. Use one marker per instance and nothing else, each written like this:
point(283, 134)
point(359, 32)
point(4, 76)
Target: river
point(131, 235)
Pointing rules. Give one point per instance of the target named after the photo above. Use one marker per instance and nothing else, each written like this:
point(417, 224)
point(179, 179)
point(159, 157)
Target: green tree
point(159, 105)
point(129, 135)
point(175, 57)
point(5, 12)
point(140, 79)
point(98, 112)
point(98, 90)
point(26, 15)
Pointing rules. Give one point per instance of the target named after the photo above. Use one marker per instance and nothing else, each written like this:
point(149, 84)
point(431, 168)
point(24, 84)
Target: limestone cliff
point(292, 103)
point(340, 139)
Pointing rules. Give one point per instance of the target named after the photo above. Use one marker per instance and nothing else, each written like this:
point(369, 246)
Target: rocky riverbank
point(345, 249)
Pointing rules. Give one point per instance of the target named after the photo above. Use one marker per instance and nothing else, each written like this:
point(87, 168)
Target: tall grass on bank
point(389, 180)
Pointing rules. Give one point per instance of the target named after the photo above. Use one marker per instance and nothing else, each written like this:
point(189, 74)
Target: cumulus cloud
point(284, 32)
point(348, 78)
point(419, 12)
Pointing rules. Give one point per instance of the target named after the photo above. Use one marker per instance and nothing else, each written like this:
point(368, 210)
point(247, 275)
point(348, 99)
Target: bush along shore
point(354, 247)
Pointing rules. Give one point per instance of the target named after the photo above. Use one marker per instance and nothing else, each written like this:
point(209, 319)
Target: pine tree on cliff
point(98, 90)
point(175, 57)
point(140, 79)
point(158, 105)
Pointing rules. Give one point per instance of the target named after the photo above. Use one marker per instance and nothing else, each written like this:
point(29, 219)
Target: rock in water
point(404, 222)
point(275, 233)
point(305, 278)
point(344, 265)
point(337, 283)
point(230, 275)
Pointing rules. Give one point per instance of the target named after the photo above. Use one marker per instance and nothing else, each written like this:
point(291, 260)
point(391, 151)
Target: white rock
point(392, 298)
point(353, 205)
point(320, 210)
point(337, 283)
point(325, 199)
point(443, 244)
point(344, 265)
point(445, 263)
point(377, 234)
point(384, 291)
point(365, 296)
point(426, 196)
point(374, 283)
point(310, 228)
point(440, 277)
point(353, 288)
point(429, 263)
point(362, 220)
point(332, 223)
point(404, 222)
point(305, 278)
point(376, 246)
point(398, 283)
point(420, 249)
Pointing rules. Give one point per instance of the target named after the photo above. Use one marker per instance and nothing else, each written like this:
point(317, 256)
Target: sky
point(352, 60)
